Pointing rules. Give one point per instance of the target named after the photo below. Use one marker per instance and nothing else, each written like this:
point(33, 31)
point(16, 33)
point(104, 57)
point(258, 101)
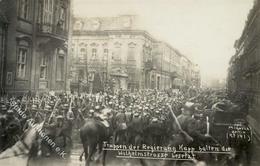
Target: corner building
point(36, 45)
point(121, 54)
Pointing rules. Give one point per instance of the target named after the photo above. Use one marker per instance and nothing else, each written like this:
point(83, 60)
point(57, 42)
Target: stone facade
point(173, 70)
point(122, 54)
point(36, 45)
point(244, 70)
point(3, 35)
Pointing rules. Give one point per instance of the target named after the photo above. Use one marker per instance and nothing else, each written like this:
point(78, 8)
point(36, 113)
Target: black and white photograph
point(129, 82)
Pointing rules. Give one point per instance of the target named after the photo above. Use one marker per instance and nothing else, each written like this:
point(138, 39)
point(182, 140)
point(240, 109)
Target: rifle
point(187, 136)
point(53, 111)
point(70, 107)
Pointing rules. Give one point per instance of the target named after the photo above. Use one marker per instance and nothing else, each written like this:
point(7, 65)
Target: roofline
point(109, 32)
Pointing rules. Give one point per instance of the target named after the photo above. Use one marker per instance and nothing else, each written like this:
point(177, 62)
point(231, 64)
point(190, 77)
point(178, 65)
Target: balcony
point(52, 30)
point(174, 75)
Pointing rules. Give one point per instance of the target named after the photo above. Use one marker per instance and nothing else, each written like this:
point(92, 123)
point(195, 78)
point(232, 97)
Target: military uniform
point(120, 120)
point(12, 128)
point(189, 124)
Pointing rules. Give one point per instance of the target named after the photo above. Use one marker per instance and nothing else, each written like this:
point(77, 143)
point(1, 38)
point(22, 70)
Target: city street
point(150, 82)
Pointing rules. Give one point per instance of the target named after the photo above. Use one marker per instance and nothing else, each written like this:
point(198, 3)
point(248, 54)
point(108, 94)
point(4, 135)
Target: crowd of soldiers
point(146, 114)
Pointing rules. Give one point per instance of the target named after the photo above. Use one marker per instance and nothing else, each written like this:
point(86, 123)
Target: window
point(105, 54)
point(47, 15)
point(131, 53)
point(62, 18)
point(117, 51)
point(62, 13)
point(43, 68)
point(24, 9)
point(21, 62)
point(94, 53)
point(60, 65)
point(82, 50)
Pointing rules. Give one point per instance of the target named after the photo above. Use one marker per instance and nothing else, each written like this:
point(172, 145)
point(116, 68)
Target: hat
point(155, 120)
point(189, 106)
point(136, 114)
point(52, 103)
point(91, 111)
point(47, 108)
point(10, 111)
point(3, 108)
point(2, 101)
point(60, 117)
point(34, 107)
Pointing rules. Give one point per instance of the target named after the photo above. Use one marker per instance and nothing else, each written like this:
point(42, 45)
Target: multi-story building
point(3, 33)
point(244, 70)
point(36, 45)
point(168, 66)
point(115, 49)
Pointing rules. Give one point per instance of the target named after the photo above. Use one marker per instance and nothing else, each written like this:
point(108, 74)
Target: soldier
point(33, 111)
point(120, 125)
point(91, 114)
point(3, 109)
point(3, 136)
point(70, 116)
point(189, 124)
point(50, 127)
point(12, 128)
point(136, 129)
point(60, 120)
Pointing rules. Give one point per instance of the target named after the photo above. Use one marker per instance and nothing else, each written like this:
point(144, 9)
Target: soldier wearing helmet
point(189, 124)
point(13, 127)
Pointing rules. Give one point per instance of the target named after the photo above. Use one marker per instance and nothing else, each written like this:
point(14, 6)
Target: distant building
point(172, 69)
point(36, 45)
point(244, 67)
point(121, 54)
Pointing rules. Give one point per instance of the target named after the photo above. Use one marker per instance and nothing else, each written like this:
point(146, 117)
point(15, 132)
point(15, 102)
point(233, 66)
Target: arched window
point(117, 51)
point(82, 52)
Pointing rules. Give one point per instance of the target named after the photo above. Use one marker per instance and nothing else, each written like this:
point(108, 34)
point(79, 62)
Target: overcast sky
point(204, 30)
